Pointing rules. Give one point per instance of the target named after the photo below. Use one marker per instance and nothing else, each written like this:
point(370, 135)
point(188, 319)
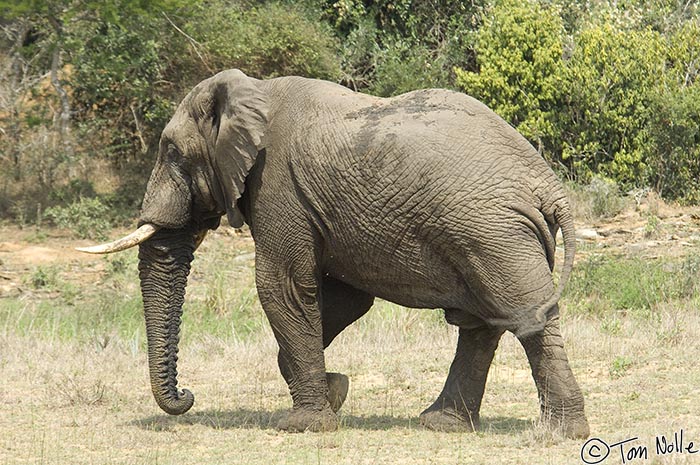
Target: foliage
point(601, 198)
point(606, 89)
point(88, 218)
point(390, 47)
point(602, 89)
point(403, 67)
point(265, 40)
point(599, 88)
point(43, 278)
point(519, 51)
point(117, 87)
point(674, 126)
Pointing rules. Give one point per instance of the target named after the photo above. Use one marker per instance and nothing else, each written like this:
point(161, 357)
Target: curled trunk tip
point(175, 405)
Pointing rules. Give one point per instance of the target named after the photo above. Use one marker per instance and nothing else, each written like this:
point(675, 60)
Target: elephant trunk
point(164, 263)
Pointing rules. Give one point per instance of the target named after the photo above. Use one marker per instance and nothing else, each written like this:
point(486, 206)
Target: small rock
point(587, 234)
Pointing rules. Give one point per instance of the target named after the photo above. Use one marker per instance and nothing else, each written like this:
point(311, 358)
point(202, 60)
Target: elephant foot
point(338, 385)
point(299, 420)
point(571, 428)
point(448, 420)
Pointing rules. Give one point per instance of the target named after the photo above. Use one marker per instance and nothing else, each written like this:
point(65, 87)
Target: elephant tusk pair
point(126, 242)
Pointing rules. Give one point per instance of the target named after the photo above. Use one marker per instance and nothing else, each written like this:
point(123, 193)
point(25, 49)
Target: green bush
point(43, 278)
point(674, 126)
point(390, 47)
point(518, 53)
point(128, 66)
point(265, 40)
point(404, 67)
point(606, 102)
point(88, 218)
point(601, 198)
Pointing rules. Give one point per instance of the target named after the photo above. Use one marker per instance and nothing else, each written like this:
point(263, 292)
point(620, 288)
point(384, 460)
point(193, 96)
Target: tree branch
point(195, 45)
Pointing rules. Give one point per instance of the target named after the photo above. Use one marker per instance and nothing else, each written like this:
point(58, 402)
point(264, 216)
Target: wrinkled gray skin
point(427, 199)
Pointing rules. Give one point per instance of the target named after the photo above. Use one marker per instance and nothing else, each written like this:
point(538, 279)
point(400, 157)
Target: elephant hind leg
point(561, 400)
point(510, 288)
point(341, 305)
point(457, 406)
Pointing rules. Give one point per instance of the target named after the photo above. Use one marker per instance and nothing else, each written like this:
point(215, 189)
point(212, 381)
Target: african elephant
point(428, 200)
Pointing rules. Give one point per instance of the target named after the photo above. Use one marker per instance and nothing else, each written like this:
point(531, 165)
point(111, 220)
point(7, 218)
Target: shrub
point(265, 40)
point(390, 47)
point(88, 218)
point(601, 198)
point(674, 127)
point(606, 91)
point(403, 67)
point(518, 53)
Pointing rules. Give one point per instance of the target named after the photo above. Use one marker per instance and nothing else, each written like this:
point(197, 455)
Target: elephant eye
point(174, 155)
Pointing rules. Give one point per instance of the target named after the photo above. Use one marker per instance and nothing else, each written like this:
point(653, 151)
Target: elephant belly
point(410, 275)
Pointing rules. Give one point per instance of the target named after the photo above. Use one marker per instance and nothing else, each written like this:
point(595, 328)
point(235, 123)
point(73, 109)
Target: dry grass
point(82, 396)
point(74, 403)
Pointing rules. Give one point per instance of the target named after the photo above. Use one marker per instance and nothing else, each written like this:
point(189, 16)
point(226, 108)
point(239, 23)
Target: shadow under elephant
point(267, 420)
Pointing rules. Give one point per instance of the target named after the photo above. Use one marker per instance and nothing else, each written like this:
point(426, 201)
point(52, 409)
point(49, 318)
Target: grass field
point(74, 384)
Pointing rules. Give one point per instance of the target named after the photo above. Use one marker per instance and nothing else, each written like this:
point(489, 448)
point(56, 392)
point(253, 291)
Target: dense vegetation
point(603, 89)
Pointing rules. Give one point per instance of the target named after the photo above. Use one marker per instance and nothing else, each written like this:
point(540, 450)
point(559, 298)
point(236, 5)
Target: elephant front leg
point(290, 301)
point(561, 400)
point(457, 406)
point(338, 383)
point(341, 305)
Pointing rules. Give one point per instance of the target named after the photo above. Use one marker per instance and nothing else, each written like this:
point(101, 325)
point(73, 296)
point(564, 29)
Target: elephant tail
point(565, 220)
point(560, 216)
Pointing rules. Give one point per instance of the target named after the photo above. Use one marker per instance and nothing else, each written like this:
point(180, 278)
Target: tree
point(674, 126)
point(606, 101)
point(519, 58)
point(264, 39)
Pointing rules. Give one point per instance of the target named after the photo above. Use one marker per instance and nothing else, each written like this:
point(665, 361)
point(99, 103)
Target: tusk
point(126, 242)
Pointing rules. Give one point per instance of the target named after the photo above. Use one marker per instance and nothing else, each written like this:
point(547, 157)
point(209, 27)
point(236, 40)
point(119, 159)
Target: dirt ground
point(68, 402)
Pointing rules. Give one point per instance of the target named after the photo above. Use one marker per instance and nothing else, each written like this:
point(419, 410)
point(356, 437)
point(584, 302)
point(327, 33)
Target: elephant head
point(205, 154)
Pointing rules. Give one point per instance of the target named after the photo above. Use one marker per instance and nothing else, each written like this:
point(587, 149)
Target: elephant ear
point(240, 122)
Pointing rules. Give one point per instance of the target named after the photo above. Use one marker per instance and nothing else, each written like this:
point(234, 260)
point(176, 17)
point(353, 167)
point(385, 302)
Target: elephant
point(428, 200)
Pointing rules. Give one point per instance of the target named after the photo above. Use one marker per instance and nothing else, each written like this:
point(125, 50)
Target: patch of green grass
point(38, 237)
point(220, 304)
point(611, 325)
point(619, 366)
point(83, 320)
point(602, 285)
point(42, 278)
point(225, 312)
